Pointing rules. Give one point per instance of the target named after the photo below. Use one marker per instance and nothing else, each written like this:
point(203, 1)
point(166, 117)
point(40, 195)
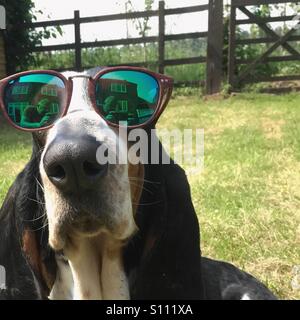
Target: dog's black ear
point(163, 260)
point(23, 238)
point(18, 278)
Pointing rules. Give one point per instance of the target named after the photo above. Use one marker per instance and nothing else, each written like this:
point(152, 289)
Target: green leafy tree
point(141, 24)
point(19, 38)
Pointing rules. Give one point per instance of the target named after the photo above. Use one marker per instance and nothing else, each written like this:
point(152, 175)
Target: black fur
point(172, 269)
point(23, 209)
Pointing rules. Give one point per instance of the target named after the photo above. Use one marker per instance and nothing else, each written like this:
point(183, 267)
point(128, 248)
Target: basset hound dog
point(71, 228)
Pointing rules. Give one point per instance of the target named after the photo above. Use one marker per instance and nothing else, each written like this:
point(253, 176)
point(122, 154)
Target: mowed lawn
point(247, 197)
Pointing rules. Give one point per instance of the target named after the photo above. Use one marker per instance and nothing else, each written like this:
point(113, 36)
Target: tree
point(19, 38)
point(141, 24)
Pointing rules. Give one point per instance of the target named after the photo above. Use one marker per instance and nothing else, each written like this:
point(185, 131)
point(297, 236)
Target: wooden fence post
point(78, 65)
point(231, 44)
point(215, 41)
point(161, 37)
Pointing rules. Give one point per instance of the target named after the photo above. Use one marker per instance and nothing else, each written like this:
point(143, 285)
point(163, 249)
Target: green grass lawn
point(248, 196)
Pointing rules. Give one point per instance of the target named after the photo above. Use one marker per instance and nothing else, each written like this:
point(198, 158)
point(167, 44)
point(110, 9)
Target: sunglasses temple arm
point(167, 92)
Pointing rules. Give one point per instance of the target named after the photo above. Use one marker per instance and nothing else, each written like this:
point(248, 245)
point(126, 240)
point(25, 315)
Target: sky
point(62, 9)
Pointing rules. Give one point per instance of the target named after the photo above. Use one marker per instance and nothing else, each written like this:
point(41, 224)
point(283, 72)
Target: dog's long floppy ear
point(24, 252)
point(163, 260)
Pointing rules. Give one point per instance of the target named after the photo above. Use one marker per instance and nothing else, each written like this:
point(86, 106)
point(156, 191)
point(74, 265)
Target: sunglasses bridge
point(80, 76)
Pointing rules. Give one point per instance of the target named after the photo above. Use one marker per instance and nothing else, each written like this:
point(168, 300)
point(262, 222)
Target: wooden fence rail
point(214, 36)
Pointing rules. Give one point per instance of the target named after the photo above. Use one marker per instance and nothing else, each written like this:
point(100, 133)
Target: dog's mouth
point(88, 215)
point(77, 218)
point(87, 226)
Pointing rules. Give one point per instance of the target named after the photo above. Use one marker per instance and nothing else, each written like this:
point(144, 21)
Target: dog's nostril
point(92, 169)
point(57, 172)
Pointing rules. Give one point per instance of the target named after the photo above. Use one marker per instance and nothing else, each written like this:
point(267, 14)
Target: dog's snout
point(70, 163)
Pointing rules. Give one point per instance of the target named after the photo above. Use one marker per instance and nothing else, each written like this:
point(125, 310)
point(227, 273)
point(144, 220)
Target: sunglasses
point(135, 97)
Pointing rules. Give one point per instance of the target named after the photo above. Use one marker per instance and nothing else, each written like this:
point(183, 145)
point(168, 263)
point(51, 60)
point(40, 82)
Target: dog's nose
point(70, 163)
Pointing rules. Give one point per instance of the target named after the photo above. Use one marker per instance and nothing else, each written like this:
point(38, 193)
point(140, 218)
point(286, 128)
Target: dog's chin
point(87, 227)
point(72, 227)
point(64, 230)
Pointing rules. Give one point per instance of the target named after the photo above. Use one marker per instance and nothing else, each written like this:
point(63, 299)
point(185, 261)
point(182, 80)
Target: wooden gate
point(234, 77)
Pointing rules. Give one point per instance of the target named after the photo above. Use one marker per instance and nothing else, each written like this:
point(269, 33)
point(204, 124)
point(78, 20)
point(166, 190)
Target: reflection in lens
point(34, 101)
point(129, 96)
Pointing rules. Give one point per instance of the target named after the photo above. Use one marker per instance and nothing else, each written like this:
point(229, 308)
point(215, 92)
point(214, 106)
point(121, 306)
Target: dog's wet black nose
point(70, 163)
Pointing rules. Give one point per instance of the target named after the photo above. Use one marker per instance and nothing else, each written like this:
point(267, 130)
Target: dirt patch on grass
point(272, 128)
point(226, 119)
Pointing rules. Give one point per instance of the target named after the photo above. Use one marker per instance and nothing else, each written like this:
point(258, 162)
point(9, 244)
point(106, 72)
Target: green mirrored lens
point(127, 96)
point(35, 101)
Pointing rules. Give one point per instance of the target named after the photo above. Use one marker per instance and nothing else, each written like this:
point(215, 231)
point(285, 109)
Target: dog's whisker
point(44, 215)
point(37, 201)
point(39, 184)
point(33, 220)
point(147, 204)
point(130, 182)
point(143, 188)
point(143, 180)
point(41, 228)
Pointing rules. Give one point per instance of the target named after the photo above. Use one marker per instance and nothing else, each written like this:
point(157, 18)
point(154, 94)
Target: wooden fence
point(214, 36)
point(235, 78)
